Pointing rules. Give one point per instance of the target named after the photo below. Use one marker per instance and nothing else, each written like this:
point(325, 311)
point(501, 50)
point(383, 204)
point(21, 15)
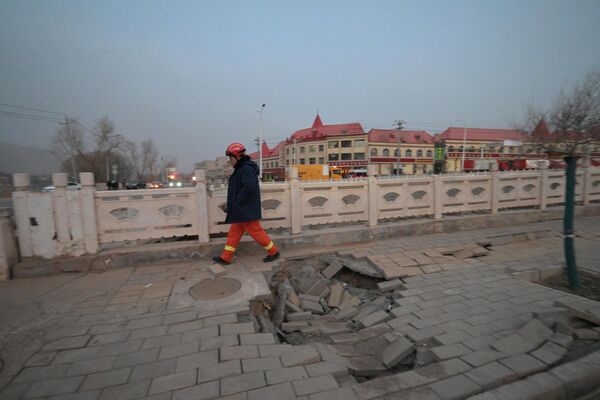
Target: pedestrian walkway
point(120, 334)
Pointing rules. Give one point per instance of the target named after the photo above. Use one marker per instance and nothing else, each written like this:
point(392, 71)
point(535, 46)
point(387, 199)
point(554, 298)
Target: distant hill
point(33, 160)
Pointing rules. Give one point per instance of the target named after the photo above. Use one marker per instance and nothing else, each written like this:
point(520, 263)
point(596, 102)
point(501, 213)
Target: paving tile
point(178, 350)
point(238, 352)
point(286, 375)
point(314, 385)
point(197, 360)
point(101, 380)
point(457, 387)
point(89, 395)
point(491, 375)
point(114, 349)
point(343, 393)
point(85, 367)
point(282, 391)
point(220, 319)
point(171, 382)
point(208, 390)
point(336, 369)
point(127, 391)
point(300, 357)
point(41, 359)
point(106, 338)
point(180, 317)
point(441, 353)
point(153, 370)
point(200, 334)
point(257, 338)
point(219, 341)
point(241, 327)
point(143, 333)
point(482, 357)
point(523, 364)
point(242, 383)
point(136, 358)
point(53, 387)
point(33, 374)
point(220, 370)
point(261, 364)
point(186, 326)
point(67, 343)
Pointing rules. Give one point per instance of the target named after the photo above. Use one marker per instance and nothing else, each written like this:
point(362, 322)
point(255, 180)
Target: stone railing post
point(88, 212)
point(21, 183)
point(495, 185)
point(59, 205)
point(586, 182)
point(295, 206)
point(438, 204)
point(201, 206)
point(543, 186)
point(8, 248)
point(373, 204)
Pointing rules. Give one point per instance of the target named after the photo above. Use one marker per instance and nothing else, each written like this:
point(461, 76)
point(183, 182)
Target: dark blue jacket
point(243, 192)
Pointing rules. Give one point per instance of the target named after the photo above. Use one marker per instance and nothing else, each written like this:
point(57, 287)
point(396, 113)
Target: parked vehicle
point(70, 186)
point(136, 185)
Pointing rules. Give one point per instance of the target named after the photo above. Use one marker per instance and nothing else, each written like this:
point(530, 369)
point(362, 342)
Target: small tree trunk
point(569, 240)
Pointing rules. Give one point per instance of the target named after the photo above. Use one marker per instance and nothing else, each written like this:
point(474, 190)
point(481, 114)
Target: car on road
point(70, 186)
point(136, 185)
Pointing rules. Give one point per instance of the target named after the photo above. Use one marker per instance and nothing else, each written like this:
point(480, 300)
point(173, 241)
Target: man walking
point(243, 206)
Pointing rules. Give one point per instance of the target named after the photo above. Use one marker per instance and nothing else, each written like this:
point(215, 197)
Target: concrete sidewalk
point(131, 333)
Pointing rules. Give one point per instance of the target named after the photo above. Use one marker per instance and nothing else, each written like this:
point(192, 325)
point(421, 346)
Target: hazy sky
point(191, 75)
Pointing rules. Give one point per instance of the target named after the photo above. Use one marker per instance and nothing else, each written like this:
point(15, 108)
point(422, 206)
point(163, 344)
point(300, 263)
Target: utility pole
point(68, 122)
point(295, 152)
point(260, 140)
point(464, 145)
point(399, 126)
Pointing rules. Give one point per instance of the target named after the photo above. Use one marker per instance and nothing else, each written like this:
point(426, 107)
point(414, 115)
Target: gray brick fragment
point(333, 268)
point(271, 350)
point(491, 375)
point(374, 318)
point(443, 369)
point(293, 326)
point(397, 351)
point(286, 375)
point(550, 353)
point(482, 357)
point(282, 391)
point(562, 340)
point(203, 391)
point(314, 385)
point(299, 316)
point(53, 387)
point(300, 357)
point(242, 383)
point(387, 286)
point(221, 370)
point(523, 364)
point(365, 366)
point(441, 353)
point(452, 337)
point(173, 382)
point(335, 368)
point(103, 379)
point(551, 316)
point(457, 387)
point(343, 393)
point(127, 391)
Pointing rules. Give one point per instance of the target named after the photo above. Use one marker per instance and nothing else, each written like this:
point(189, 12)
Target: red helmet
point(235, 149)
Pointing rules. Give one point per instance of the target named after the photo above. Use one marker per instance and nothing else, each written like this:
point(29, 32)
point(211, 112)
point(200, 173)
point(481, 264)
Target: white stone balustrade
point(67, 222)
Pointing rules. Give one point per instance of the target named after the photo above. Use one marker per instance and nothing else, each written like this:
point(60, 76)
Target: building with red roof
point(396, 151)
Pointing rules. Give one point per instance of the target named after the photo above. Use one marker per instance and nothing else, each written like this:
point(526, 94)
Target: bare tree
point(144, 160)
point(571, 129)
point(69, 143)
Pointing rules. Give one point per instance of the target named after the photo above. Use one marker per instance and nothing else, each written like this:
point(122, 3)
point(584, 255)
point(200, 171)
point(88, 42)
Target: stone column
point(373, 204)
point(586, 181)
point(495, 185)
point(438, 195)
point(88, 212)
point(21, 207)
point(59, 206)
point(8, 248)
point(295, 206)
point(201, 206)
point(543, 186)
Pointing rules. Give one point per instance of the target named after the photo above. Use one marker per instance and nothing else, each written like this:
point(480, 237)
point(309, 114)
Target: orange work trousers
point(255, 230)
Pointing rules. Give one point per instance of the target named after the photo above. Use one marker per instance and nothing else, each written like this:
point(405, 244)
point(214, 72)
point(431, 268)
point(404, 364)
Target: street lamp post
point(260, 140)
point(464, 145)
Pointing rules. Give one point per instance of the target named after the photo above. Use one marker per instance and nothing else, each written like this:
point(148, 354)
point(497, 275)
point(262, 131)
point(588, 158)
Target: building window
point(346, 156)
point(333, 145)
point(302, 161)
point(346, 143)
point(321, 160)
point(408, 153)
point(373, 152)
point(429, 153)
point(287, 162)
point(510, 150)
point(333, 157)
point(385, 153)
point(301, 149)
point(359, 143)
point(311, 148)
point(311, 160)
point(460, 149)
point(396, 153)
point(287, 151)
point(471, 149)
point(321, 147)
point(419, 153)
point(450, 149)
point(359, 156)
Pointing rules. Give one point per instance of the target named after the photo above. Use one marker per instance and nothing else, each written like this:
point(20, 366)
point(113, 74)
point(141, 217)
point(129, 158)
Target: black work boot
point(219, 260)
point(270, 258)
